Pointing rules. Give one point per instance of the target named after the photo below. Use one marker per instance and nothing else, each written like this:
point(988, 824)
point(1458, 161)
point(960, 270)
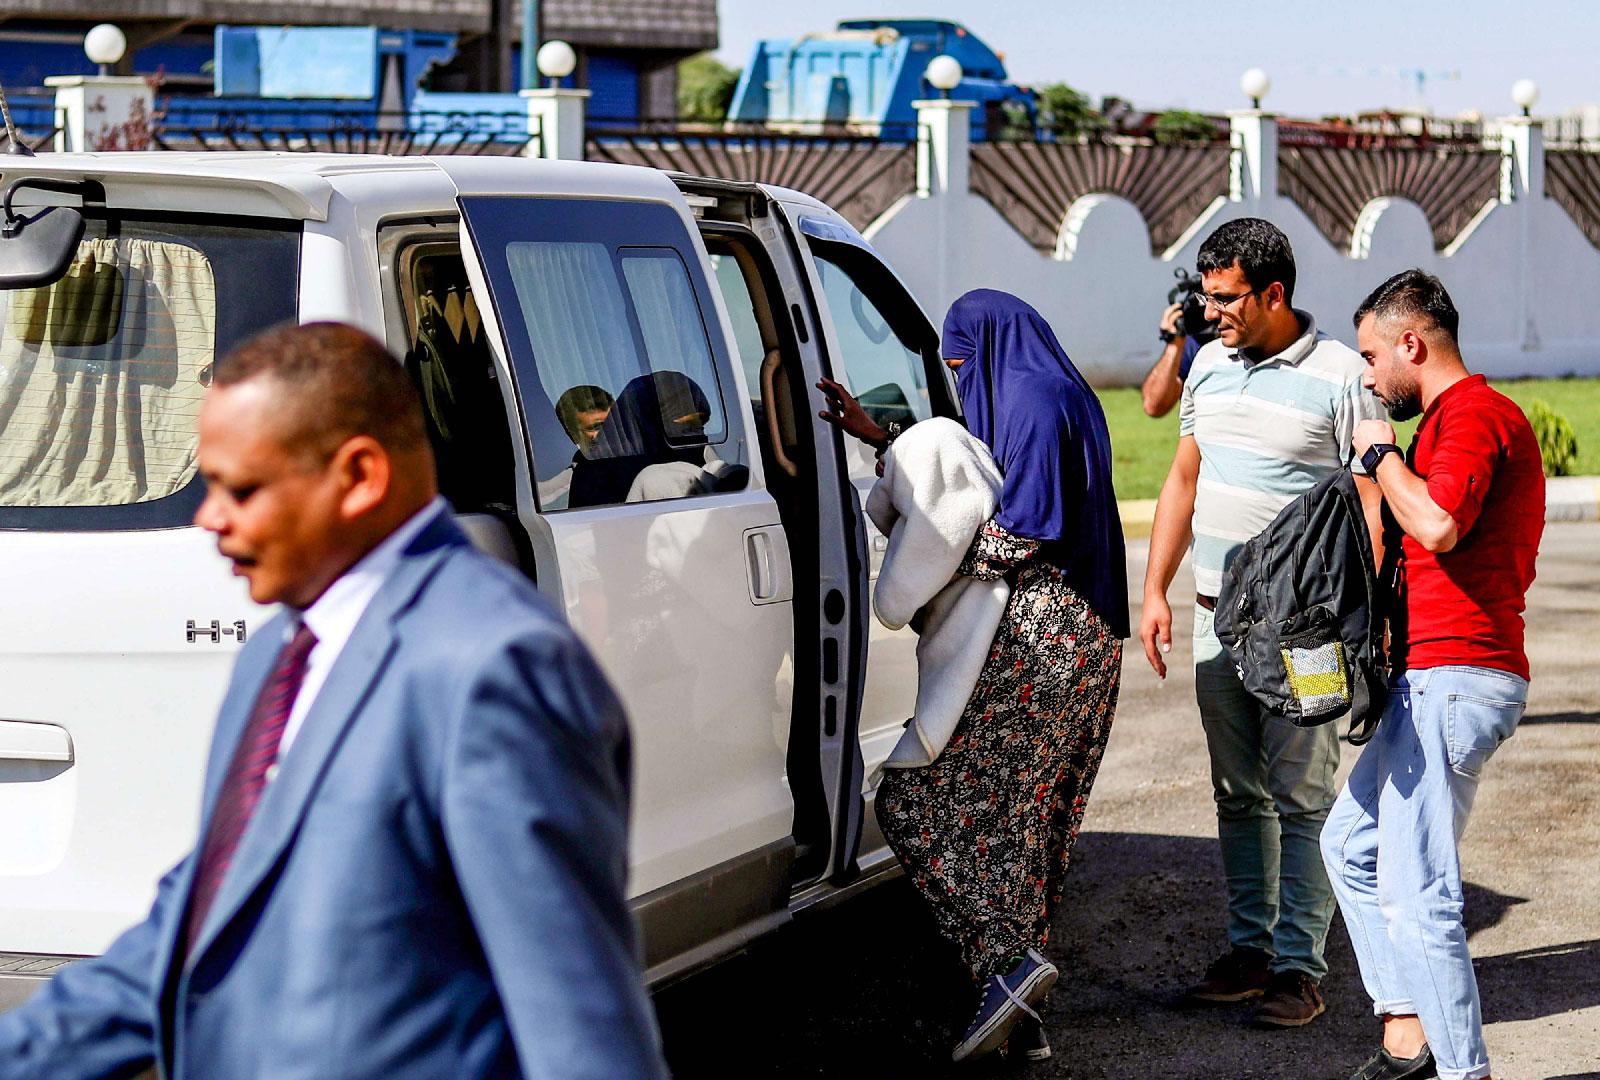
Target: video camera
point(1192, 322)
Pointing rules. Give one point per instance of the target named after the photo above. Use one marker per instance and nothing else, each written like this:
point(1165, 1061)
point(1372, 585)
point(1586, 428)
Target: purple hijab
point(1025, 399)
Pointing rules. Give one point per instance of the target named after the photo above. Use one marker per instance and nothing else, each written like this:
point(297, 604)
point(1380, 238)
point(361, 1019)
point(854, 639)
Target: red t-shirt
point(1464, 606)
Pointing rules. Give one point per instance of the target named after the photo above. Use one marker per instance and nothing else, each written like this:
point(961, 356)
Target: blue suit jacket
point(433, 886)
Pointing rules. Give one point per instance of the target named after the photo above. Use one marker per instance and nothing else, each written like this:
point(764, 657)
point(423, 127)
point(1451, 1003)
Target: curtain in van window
point(576, 314)
point(669, 320)
point(102, 375)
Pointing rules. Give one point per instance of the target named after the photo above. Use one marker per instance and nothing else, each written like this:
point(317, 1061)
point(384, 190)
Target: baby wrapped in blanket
point(939, 486)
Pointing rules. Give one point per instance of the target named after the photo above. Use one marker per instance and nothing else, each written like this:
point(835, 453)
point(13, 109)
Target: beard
point(1404, 407)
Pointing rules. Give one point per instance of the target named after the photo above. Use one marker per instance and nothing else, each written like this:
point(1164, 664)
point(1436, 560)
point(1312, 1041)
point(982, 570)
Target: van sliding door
point(881, 346)
point(653, 530)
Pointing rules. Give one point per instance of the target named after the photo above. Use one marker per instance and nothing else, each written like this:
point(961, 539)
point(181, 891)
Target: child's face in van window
point(280, 513)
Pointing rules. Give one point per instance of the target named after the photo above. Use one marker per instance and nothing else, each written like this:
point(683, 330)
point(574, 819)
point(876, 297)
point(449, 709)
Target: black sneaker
point(1385, 1066)
point(1236, 976)
point(1293, 999)
point(1028, 1042)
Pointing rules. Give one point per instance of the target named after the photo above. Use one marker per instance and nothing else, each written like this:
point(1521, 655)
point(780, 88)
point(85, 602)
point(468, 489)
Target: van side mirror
point(38, 243)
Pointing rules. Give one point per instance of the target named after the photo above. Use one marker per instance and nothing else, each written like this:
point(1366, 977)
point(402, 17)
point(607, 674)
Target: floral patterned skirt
point(985, 832)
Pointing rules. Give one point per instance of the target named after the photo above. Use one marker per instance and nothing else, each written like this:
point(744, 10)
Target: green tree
point(1066, 111)
point(1183, 126)
point(705, 88)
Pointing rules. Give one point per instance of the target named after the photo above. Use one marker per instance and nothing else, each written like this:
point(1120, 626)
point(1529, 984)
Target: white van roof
point(301, 185)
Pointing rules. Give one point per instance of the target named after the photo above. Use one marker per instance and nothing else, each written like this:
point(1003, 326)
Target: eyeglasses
point(1222, 303)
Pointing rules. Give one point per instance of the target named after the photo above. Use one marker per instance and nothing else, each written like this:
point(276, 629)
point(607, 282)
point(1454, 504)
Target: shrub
point(1182, 126)
point(1067, 112)
point(1558, 445)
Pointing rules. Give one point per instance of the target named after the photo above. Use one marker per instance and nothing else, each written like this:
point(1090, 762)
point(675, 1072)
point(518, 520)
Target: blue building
point(628, 50)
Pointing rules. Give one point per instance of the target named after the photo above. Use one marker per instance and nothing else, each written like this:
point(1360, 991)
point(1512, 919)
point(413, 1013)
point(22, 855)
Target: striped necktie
point(247, 777)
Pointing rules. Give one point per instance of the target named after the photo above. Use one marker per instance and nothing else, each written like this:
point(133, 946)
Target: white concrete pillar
point(96, 110)
point(1254, 162)
point(944, 133)
point(1522, 187)
point(944, 136)
point(1522, 170)
point(558, 115)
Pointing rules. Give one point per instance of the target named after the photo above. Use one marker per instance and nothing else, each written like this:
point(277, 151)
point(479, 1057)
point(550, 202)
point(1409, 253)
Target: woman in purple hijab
point(985, 832)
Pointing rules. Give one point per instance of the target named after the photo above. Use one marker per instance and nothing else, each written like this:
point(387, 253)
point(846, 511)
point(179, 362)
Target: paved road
point(868, 988)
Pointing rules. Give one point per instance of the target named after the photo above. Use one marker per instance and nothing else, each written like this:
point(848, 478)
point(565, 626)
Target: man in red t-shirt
point(1469, 499)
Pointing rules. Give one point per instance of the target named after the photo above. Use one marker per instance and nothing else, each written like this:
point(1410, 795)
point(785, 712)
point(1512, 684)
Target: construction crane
point(1418, 77)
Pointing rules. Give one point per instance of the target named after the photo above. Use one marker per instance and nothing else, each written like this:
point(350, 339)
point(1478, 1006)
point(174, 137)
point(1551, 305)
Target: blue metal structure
point(866, 73)
point(354, 63)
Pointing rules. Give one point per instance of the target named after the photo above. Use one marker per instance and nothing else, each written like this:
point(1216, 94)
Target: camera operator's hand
point(1169, 319)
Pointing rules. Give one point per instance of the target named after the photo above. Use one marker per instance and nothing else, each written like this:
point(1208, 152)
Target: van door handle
point(26, 740)
point(767, 564)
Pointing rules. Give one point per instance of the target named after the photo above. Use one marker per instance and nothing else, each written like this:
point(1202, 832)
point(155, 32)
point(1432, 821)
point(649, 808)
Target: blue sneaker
point(1006, 1000)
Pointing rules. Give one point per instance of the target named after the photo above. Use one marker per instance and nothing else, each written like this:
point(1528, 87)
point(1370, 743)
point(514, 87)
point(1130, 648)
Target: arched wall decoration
point(1333, 184)
point(1033, 184)
point(859, 177)
point(1572, 179)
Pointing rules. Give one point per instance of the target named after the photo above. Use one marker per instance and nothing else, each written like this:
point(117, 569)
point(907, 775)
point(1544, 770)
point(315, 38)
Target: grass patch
point(1142, 448)
point(1576, 399)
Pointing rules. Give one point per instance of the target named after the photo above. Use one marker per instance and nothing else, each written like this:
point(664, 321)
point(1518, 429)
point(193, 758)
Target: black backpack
point(1302, 615)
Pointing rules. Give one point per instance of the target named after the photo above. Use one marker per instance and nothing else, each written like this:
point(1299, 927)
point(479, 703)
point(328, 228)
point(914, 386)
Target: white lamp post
point(943, 74)
point(105, 45)
point(556, 60)
point(1255, 85)
point(556, 113)
point(1525, 95)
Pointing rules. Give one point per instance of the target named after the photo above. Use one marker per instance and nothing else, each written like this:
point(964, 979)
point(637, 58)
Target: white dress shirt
point(334, 614)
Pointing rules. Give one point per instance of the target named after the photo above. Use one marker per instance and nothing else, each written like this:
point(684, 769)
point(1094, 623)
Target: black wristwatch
point(892, 429)
point(1374, 455)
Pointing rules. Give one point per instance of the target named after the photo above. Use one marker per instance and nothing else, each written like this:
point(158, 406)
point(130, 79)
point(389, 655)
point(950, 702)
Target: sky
point(1323, 57)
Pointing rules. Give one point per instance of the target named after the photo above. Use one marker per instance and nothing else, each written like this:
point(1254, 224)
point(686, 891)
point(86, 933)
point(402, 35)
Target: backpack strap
point(1382, 602)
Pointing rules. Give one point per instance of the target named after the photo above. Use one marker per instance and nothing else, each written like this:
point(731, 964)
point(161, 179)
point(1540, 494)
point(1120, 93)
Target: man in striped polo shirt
point(1268, 410)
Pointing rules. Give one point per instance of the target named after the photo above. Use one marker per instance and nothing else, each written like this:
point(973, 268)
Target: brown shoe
point(1236, 976)
point(1293, 999)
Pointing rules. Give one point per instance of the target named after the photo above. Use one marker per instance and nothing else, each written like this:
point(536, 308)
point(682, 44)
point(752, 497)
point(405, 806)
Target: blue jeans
point(1273, 784)
point(1390, 845)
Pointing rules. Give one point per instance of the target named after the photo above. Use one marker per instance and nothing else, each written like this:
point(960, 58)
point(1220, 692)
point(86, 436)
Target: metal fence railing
point(626, 128)
point(338, 127)
point(1399, 132)
point(35, 115)
point(860, 175)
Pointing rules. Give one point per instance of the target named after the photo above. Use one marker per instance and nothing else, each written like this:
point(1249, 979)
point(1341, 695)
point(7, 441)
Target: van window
point(741, 313)
point(101, 376)
point(625, 397)
point(888, 377)
point(447, 357)
point(102, 373)
point(674, 336)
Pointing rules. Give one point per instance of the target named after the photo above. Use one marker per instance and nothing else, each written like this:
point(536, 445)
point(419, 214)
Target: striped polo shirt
point(1267, 432)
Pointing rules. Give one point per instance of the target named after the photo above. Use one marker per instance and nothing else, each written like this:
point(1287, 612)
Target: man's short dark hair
point(1414, 294)
point(338, 382)
point(1257, 246)
point(581, 399)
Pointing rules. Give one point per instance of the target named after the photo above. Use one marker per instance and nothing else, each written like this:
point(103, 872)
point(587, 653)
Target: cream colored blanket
point(939, 486)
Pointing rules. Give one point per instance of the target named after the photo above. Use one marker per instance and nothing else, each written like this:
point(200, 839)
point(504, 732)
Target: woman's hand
point(846, 413)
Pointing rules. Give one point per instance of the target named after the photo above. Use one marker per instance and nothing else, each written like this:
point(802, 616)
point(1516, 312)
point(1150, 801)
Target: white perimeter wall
point(1526, 280)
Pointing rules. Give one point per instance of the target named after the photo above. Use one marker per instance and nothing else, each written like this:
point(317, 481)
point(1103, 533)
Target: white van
point(719, 571)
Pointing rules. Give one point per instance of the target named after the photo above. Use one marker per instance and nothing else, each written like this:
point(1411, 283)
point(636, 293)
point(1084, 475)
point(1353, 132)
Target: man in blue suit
point(414, 829)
